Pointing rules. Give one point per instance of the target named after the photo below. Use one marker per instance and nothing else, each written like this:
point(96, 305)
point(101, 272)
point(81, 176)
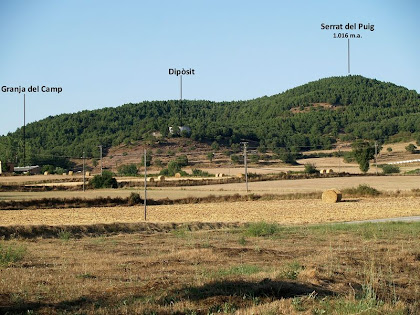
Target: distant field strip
point(281, 211)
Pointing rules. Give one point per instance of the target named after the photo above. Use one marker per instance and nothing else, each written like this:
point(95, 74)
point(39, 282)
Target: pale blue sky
point(107, 53)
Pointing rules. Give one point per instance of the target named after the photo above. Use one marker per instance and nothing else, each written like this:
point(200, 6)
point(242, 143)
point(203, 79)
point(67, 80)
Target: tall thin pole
point(246, 164)
point(145, 185)
point(84, 178)
point(24, 126)
point(348, 55)
point(180, 87)
point(100, 148)
point(339, 160)
point(376, 158)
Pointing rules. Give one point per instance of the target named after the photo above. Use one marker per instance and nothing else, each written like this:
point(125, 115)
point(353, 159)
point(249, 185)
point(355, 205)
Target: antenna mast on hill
point(180, 87)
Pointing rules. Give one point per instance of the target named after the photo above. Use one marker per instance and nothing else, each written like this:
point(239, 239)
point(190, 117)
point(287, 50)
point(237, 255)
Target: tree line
point(358, 108)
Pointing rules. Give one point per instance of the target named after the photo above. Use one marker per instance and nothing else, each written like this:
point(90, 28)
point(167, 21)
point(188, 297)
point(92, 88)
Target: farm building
point(181, 129)
point(35, 169)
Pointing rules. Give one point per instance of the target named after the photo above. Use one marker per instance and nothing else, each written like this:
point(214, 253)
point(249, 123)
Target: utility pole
point(84, 171)
point(339, 160)
point(100, 148)
point(24, 126)
point(245, 164)
point(145, 185)
point(376, 158)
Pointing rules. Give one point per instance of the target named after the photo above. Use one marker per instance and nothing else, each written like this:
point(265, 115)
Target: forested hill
point(312, 115)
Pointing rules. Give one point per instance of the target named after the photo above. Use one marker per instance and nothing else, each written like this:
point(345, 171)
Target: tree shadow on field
point(265, 289)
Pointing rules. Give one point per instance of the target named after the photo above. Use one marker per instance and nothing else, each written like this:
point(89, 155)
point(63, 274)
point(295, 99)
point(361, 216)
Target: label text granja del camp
point(31, 89)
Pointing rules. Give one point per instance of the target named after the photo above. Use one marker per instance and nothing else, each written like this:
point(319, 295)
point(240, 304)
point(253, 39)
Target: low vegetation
point(106, 180)
point(361, 191)
point(11, 253)
point(323, 269)
point(390, 169)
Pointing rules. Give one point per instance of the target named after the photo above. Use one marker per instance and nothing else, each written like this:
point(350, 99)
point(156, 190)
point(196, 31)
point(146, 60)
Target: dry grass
point(344, 269)
point(281, 211)
point(388, 183)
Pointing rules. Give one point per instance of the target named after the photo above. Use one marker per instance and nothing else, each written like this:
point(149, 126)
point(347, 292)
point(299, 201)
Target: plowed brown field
point(281, 211)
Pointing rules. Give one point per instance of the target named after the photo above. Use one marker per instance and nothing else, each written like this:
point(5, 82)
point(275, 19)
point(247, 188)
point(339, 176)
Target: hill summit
point(314, 115)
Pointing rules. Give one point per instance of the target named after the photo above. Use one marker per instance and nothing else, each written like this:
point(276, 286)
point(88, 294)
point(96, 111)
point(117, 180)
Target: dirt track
point(283, 212)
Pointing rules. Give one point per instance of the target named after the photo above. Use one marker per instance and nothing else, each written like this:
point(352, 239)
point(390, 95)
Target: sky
point(109, 53)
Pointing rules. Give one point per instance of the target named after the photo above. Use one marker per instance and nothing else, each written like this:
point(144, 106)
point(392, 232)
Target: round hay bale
point(70, 173)
point(150, 179)
point(220, 175)
point(322, 171)
point(87, 173)
point(339, 194)
point(64, 174)
point(331, 196)
point(240, 175)
point(161, 178)
point(46, 173)
point(178, 175)
point(330, 171)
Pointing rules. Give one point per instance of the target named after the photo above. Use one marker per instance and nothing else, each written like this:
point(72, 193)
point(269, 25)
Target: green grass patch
point(65, 235)
point(238, 270)
point(11, 254)
point(181, 232)
point(262, 229)
point(291, 270)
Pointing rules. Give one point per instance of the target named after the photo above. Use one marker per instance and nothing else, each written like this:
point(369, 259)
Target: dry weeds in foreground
point(280, 211)
point(369, 269)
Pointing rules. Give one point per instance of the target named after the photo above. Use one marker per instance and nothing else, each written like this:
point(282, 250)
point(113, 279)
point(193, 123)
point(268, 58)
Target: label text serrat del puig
point(348, 26)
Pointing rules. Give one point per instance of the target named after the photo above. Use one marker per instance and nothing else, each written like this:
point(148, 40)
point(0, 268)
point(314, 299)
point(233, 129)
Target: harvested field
point(382, 183)
point(261, 269)
point(280, 211)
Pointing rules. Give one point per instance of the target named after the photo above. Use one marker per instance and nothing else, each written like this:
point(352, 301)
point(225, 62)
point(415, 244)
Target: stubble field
point(259, 269)
point(279, 211)
point(382, 183)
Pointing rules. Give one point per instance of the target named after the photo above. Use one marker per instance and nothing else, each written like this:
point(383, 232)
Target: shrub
point(292, 270)
point(128, 170)
point(210, 156)
point(390, 169)
point(158, 163)
point(11, 254)
point(182, 160)
point(148, 159)
point(389, 149)
point(172, 169)
point(235, 159)
point(411, 148)
point(134, 199)
point(60, 170)
point(48, 168)
point(362, 190)
point(215, 146)
point(201, 173)
point(254, 158)
point(310, 169)
point(106, 180)
point(262, 229)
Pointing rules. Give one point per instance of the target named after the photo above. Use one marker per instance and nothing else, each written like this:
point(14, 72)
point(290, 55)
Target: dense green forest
point(361, 108)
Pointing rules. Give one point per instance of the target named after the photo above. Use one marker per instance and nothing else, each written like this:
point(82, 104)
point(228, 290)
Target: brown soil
point(280, 211)
point(368, 269)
